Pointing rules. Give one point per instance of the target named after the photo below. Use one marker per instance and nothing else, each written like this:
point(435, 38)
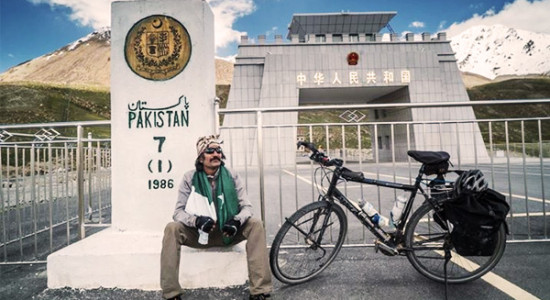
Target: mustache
point(215, 158)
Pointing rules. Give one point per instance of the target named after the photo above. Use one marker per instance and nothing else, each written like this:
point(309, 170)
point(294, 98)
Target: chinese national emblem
point(353, 58)
point(157, 47)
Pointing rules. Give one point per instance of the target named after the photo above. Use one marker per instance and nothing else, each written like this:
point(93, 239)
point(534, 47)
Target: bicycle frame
point(333, 193)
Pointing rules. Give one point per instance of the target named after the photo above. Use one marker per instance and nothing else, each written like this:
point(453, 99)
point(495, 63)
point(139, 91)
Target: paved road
point(357, 273)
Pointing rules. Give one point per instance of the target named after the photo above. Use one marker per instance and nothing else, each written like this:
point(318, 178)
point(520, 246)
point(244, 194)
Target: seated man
point(213, 200)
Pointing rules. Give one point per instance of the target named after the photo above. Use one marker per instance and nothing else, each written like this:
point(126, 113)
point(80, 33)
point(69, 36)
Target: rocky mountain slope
point(84, 63)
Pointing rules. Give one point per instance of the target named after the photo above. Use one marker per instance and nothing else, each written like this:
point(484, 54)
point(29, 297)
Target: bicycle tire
point(295, 257)
point(423, 238)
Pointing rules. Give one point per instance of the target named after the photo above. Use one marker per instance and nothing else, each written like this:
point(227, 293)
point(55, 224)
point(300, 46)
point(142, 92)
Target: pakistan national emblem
point(157, 47)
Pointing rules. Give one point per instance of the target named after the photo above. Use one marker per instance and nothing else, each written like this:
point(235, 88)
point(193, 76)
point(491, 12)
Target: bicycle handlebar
point(320, 157)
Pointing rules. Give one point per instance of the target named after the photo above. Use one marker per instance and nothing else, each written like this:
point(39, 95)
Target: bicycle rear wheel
point(308, 242)
point(425, 238)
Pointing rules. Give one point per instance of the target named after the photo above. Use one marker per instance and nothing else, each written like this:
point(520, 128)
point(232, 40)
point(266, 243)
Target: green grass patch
point(512, 90)
point(24, 103)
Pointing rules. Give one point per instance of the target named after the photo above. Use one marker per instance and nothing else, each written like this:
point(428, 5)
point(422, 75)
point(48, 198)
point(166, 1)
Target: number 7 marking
point(161, 140)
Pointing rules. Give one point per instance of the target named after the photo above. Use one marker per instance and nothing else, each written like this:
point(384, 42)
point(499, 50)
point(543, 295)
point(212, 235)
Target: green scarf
point(227, 201)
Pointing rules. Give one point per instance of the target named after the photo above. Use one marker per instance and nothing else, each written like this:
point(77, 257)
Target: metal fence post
point(80, 182)
point(50, 191)
point(261, 164)
point(217, 115)
point(18, 201)
point(2, 207)
point(34, 199)
point(99, 181)
point(541, 160)
point(90, 169)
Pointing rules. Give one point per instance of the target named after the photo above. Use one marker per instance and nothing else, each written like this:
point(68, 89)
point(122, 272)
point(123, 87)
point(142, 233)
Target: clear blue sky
point(31, 28)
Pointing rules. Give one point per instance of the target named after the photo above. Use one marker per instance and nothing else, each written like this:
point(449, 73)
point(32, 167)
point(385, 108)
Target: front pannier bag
point(476, 219)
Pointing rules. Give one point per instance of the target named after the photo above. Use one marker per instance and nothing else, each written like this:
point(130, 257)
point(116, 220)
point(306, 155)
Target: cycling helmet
point(472, 181)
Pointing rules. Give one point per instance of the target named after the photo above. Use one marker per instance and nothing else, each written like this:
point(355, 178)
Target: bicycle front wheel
point(426, 241)
point(308, 242)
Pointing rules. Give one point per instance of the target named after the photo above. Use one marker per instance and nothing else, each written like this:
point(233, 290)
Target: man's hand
point(231, 227)
point(204, 223)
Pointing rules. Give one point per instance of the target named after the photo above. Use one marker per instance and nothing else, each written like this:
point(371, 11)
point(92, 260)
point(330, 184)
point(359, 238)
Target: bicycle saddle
point(429, 157)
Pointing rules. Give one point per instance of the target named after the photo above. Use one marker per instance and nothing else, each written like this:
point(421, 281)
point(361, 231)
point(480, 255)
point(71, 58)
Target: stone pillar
point(162, 100)
point(261, 39)
point(426, 36)
point(345, 38)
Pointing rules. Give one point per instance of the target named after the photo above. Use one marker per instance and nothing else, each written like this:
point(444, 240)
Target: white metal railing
point(519, 168)
point(55, 182)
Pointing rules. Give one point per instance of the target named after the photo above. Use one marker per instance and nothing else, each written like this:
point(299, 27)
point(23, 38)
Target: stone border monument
point(162, 100)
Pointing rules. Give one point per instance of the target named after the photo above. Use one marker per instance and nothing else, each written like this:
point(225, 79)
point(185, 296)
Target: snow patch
point(103, 34)
point(497, 50)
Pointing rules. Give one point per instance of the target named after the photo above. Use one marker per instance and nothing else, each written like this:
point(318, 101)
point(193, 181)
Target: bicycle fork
point(315, 243)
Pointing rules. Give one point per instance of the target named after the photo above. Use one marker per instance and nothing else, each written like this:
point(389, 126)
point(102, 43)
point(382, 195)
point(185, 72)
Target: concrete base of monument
point(131, 260)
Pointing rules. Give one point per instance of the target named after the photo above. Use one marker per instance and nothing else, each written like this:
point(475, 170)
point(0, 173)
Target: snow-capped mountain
point(492, 51)
point(83, 62)
point(103, 34)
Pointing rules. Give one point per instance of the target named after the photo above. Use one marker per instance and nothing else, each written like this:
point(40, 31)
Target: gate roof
point(339, 23)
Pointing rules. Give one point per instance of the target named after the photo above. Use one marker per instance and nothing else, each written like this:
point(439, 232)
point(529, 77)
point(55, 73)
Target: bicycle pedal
point(385, 249)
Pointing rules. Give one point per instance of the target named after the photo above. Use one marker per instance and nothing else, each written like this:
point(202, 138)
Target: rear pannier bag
point(476, 219)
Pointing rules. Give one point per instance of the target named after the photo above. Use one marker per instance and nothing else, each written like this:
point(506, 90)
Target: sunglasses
point(212, 150)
